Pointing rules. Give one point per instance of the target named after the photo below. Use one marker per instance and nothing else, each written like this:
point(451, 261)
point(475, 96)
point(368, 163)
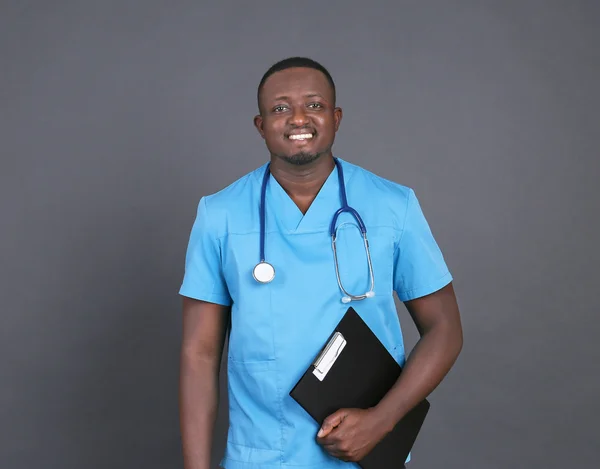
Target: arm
point(350, 434)
point(204, 329)
point(419, 273)
point(438, 321)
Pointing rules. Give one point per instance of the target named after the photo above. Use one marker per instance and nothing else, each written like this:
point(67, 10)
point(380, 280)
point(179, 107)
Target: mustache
point(308, 129)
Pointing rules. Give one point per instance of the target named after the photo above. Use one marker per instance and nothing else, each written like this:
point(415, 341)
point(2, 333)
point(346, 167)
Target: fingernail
point(320, 433)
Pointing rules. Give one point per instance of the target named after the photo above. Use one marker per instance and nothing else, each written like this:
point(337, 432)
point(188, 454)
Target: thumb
point(331, 422)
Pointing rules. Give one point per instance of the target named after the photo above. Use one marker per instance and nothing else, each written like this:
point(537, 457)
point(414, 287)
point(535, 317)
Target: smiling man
point(260, 265)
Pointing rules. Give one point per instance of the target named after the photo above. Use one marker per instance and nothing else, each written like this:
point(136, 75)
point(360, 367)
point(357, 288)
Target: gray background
point(117, 116)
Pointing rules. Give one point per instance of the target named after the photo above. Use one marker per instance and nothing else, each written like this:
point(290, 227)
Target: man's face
point(298, 119)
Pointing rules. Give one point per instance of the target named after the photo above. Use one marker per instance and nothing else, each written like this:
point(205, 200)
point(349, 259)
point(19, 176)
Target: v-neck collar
point(284, 211)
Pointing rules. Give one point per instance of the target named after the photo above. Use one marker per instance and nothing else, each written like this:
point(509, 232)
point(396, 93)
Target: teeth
point(300, 137)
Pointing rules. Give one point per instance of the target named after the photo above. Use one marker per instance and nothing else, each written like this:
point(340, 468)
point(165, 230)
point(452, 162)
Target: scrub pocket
point(254, 428)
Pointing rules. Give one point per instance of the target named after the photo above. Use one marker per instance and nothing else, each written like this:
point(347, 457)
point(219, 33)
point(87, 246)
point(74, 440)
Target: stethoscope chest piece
point(263, 272)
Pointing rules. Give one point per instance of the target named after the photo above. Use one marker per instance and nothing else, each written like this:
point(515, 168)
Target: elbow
point(455, 340)
point(459, 341)
point(449, 335)
point(203, 358)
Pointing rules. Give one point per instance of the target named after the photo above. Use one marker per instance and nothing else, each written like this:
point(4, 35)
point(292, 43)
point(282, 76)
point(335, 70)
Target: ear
point(258, 123)
point(337, 116)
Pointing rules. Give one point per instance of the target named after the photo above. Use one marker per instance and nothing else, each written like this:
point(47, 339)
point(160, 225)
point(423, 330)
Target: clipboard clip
point(329, 355)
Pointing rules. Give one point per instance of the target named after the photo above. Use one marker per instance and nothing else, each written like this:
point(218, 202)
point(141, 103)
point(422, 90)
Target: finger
point(333, 450)
point(330, 437)
point(336, 452)
point(331, 422)
point(329, 440)
point(333, 445)
point(324, 431)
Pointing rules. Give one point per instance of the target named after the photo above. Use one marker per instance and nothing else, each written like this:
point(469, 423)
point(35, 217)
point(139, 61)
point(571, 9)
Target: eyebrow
point(310, 95)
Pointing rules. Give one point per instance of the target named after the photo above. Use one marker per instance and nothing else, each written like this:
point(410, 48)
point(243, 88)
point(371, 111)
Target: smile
point(301, 137)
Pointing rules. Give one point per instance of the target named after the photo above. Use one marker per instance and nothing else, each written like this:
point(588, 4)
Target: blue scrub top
point(277, 329)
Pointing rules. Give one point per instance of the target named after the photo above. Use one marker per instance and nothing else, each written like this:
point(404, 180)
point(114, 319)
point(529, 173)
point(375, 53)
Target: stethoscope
point(264, 272)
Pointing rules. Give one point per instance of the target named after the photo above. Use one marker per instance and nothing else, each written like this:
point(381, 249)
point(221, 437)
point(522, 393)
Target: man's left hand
point(350, 434)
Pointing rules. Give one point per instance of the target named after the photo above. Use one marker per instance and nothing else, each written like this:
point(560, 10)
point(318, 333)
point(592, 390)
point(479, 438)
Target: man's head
point(298, 118)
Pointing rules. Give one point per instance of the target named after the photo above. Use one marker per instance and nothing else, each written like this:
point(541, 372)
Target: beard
point(302, 158)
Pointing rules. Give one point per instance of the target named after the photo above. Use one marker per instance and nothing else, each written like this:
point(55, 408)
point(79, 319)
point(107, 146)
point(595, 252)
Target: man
point(276, 328)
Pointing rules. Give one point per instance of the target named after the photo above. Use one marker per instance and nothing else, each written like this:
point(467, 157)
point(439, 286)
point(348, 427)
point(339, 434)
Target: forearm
point(425, 368)
point(198, 403)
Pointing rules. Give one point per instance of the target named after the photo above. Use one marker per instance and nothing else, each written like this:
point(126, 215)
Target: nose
point(298, 117)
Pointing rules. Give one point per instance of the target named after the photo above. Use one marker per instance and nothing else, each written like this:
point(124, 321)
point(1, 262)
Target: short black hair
point(293, 62)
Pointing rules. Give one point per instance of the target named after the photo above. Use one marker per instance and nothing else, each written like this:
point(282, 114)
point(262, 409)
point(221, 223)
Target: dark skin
point(301, 101)
point(296, 101)
point(350, 434)
point(203, 338)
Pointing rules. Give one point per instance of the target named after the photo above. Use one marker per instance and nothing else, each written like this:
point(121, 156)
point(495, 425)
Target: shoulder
point(363, 179)
point(391, 198)
point(228, 198)
point(232, 203)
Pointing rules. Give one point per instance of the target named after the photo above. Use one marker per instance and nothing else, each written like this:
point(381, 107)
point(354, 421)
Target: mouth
point(301, 137)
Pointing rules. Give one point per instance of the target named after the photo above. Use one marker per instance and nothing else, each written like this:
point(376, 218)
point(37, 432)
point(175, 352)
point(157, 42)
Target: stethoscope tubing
point(345, 208)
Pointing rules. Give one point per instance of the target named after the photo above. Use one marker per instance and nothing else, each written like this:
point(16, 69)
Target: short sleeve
point(419, 266)
point(203, 278)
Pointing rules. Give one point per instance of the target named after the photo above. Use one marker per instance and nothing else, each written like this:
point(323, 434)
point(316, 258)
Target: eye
point(279, 108)
point(315, 105)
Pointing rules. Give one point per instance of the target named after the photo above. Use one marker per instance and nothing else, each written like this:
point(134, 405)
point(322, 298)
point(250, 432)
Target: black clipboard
point(355, 370)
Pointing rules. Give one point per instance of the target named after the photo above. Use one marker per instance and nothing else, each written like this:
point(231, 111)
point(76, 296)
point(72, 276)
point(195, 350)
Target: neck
point(302, 181)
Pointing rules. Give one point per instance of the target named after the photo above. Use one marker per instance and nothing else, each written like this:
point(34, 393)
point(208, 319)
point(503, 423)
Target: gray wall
point(116, 116)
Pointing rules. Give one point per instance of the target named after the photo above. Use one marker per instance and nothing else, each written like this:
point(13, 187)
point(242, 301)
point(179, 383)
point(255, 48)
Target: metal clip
point(329, 355)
